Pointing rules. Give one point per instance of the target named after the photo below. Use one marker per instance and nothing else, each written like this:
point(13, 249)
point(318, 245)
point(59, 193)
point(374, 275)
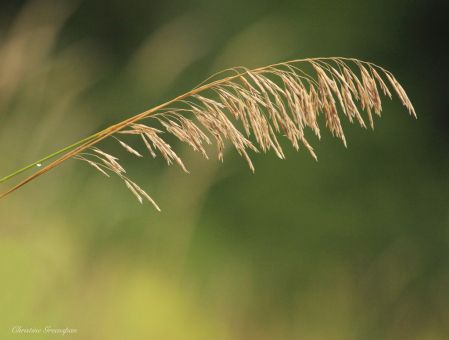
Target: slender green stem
point(51, 156)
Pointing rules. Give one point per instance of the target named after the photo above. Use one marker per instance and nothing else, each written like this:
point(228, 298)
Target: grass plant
point(272, 101)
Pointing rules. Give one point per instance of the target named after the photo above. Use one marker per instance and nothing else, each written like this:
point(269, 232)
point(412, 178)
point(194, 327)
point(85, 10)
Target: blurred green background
point(355, 246)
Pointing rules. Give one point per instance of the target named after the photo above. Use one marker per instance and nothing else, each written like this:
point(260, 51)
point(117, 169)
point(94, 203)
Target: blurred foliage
point(354, 246)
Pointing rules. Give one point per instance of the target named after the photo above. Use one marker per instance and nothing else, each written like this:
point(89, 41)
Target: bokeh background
point(355, 246)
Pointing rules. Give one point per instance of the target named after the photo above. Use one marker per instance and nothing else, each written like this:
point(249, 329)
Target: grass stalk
point(252, 97)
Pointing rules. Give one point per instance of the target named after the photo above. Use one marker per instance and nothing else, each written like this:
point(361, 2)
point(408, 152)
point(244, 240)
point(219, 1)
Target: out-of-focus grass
point(351, 247)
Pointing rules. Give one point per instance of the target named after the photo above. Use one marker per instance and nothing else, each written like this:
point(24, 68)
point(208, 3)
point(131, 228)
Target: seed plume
point(268, 103)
